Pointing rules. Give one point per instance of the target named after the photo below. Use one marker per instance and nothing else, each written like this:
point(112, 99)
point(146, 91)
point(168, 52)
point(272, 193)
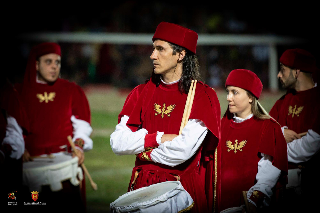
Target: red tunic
point(299, 111)
point(196, 174)
point(49, 109)
point(238, 154)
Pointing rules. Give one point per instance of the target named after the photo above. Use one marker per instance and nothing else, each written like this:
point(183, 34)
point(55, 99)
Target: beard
point(290, 82)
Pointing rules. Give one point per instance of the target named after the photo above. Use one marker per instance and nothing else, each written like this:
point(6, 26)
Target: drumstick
point(188, 106)
point(244, 193)
point(93, 184)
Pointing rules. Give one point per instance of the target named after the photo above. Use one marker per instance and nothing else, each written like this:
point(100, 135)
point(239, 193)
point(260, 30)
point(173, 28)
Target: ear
point(297, 73)
point(37, 65)
point(250, 100)
point(182, 54)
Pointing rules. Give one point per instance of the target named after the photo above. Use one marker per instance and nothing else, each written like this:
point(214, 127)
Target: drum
point(294, 180)
point(167, 196)
point(51, 171)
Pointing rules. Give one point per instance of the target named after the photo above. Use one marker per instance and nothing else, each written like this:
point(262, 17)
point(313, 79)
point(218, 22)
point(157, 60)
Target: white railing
point(204, 39)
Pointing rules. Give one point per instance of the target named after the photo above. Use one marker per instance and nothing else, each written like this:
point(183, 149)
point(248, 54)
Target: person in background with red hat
point(251, 156)
point(150, 120)
point(298, 112)
point(56, 109)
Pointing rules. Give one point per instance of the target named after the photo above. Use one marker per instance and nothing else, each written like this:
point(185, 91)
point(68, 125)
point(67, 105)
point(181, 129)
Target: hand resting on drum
point(26, 156)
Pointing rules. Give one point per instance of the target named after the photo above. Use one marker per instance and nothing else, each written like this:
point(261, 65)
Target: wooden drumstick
point(93, 184)
point(188, 106)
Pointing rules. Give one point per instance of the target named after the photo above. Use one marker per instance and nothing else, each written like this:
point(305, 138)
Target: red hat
point(299, 59)
point(36, 52)
point(245, 79)
point(177, 34)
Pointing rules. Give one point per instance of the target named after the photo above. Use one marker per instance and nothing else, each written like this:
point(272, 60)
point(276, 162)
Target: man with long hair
point(149, 123)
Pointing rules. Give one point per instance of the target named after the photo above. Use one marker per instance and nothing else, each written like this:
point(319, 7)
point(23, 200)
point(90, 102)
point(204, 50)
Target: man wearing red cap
point(251, 155)
point(298, 112)
point(150, 120)
point(56, 108)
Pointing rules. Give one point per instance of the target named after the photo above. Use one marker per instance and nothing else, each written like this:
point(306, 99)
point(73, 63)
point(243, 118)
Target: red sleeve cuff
point(150, 141)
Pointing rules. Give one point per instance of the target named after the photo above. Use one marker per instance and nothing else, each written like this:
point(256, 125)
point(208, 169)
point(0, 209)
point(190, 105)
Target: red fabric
point(245, 79)
point(12, 104)
point(150, 141)
point(50, 121)
point(177, 34)
point(299, 59)
point(237, 170)
point(308, 118)
point(196, 174)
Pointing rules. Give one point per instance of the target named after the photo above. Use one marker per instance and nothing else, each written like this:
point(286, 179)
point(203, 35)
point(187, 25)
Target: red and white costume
point(54, 111)
point(189, 156)
point(299, 111)
point(241, 154)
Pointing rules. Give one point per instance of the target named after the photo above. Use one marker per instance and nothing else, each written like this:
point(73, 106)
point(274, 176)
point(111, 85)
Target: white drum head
point(161, 197)
point(152, 192)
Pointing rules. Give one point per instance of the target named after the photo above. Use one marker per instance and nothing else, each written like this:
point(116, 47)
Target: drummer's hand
point(290, 135)
point(167, 137)
point(26, 156)
point(80, 155)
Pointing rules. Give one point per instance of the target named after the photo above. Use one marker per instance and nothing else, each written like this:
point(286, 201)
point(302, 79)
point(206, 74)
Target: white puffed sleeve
point(125, 142)
point(182, 147)
point(83, 130)
point(14, 138)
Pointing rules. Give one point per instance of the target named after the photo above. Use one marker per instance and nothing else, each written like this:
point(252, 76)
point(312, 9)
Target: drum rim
point(55, 166)
point(112, 205)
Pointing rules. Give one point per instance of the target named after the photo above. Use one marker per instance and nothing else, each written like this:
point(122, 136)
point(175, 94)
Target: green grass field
point(111, 172)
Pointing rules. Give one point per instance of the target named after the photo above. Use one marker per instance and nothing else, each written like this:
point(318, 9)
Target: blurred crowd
point(130, 65)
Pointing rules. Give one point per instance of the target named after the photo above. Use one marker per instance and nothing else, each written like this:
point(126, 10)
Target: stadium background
point(108, 71)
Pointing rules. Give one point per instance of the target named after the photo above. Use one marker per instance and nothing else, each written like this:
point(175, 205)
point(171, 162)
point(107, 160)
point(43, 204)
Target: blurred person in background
point(150, 120)
point(13, 125)
point(298, 112)
point(56, 109)
point(251, 156)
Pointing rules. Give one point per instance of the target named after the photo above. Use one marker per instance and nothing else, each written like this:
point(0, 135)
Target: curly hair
point(190, 69)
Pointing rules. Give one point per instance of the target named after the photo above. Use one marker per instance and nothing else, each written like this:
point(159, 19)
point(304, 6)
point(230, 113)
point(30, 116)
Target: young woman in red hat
point(251, 156)
point(150, 121)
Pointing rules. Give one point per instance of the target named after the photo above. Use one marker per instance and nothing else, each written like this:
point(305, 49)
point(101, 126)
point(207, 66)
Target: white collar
point(38, 81)
point(169, 82)
point(239, 120)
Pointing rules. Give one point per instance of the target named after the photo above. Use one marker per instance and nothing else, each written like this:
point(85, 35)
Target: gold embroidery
point(46, 97)
point(295, 111)
point(187, 209)
point(145, 156)
point(236, 147)
point(255, 194)
point(164, 111)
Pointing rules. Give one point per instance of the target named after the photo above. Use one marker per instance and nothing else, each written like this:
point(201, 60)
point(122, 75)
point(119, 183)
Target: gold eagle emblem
point(236, 146)
point(295, 111)
point(45, 97)
point(164, 110)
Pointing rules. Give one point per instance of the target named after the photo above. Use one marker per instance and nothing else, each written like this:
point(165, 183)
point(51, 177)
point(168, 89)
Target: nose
point(279, 74)
point(153, 56)
point(229, 98)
